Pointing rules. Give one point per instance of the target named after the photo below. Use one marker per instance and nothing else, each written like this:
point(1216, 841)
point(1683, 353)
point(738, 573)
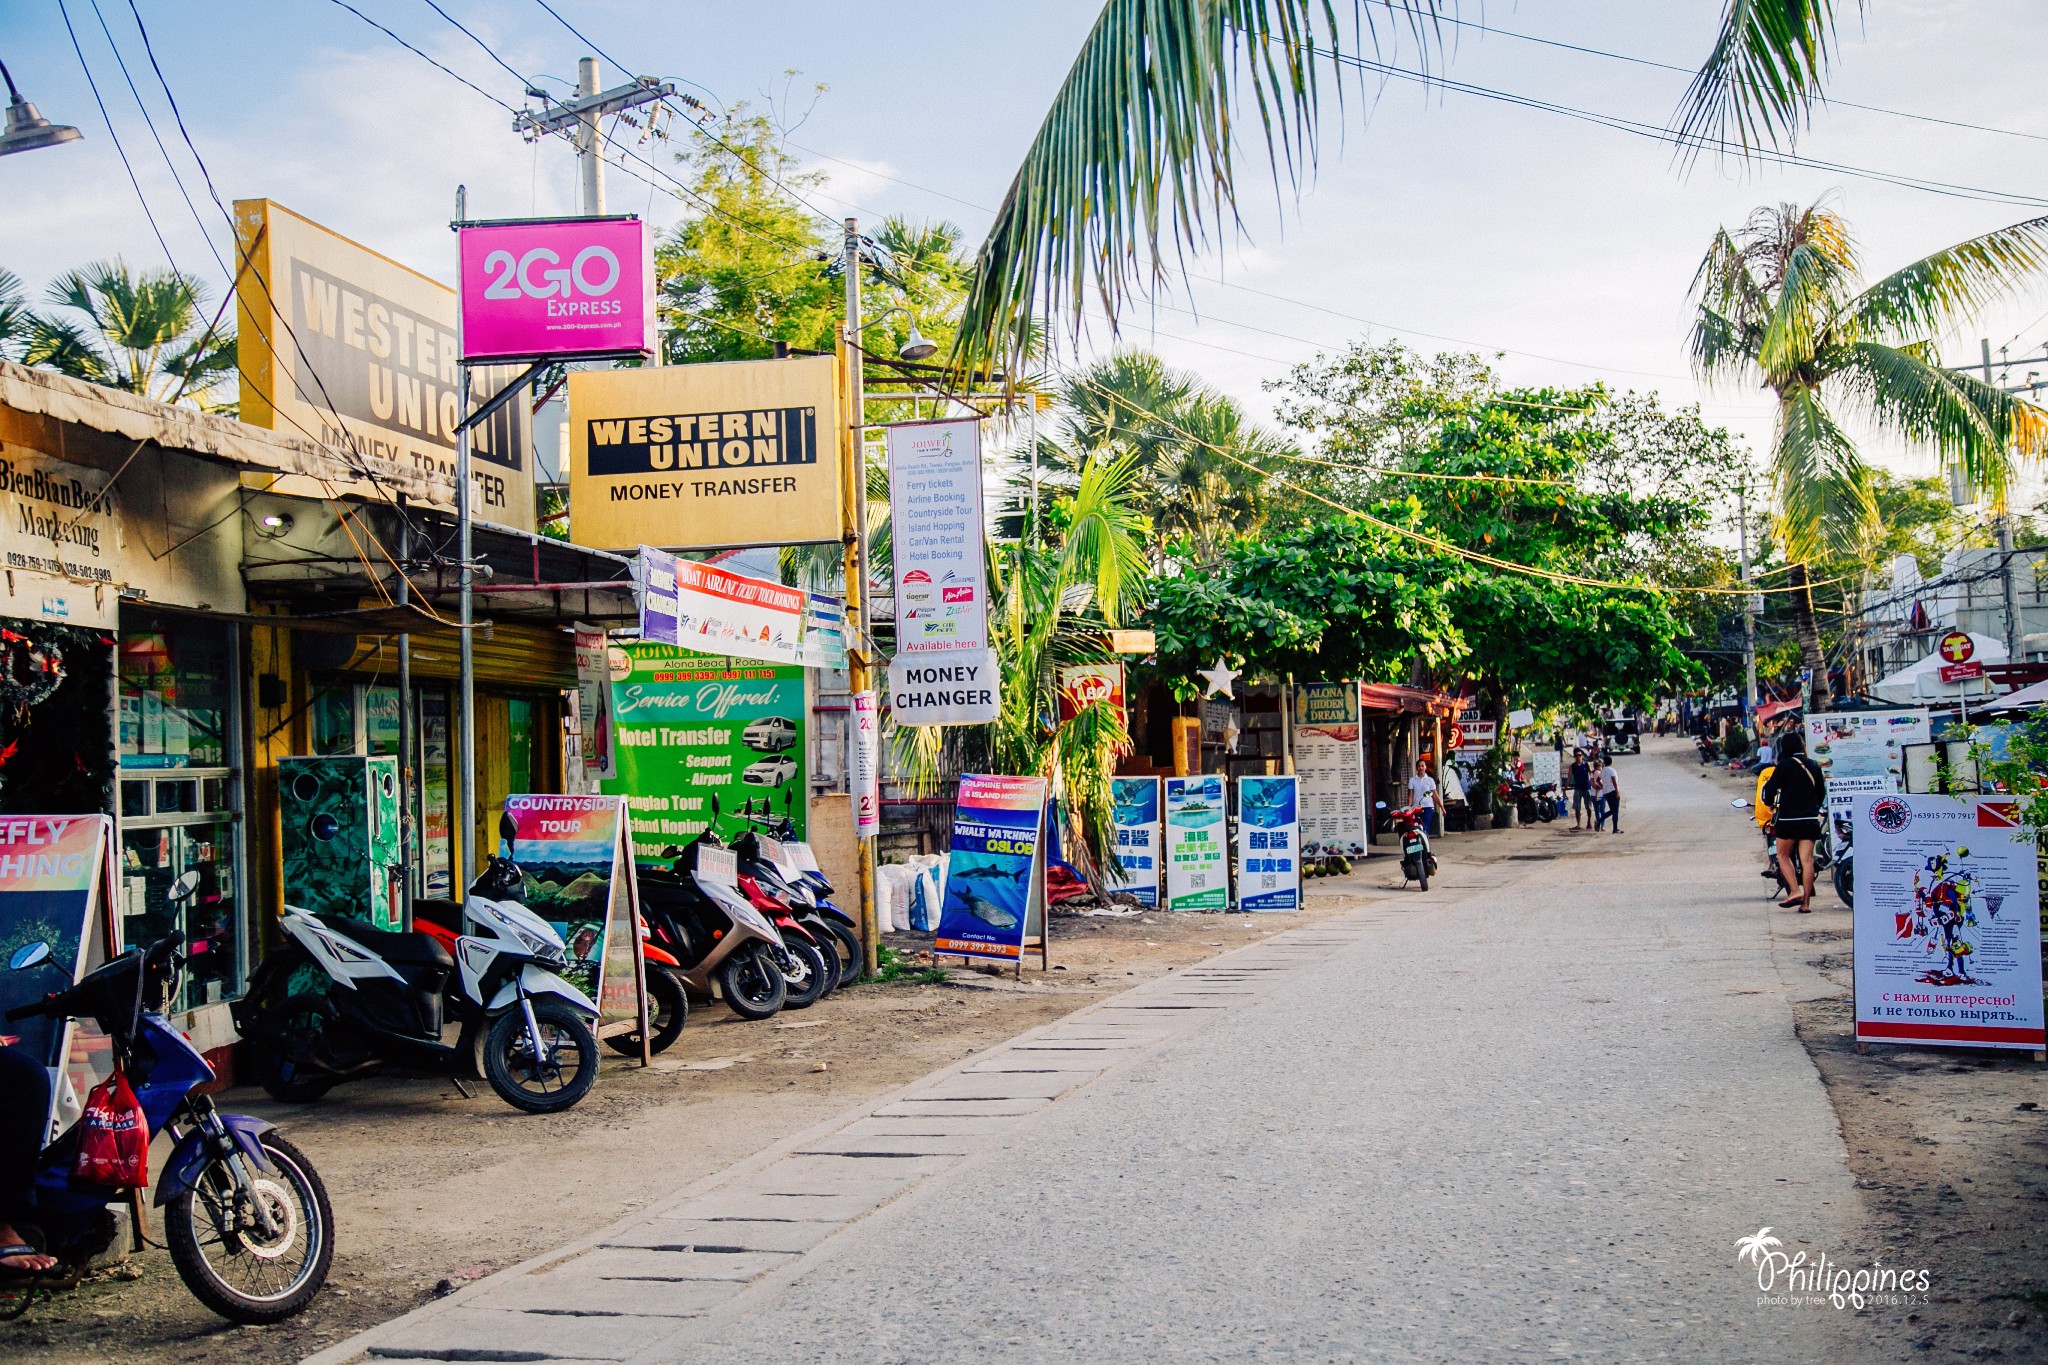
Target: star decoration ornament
point(1218, 679)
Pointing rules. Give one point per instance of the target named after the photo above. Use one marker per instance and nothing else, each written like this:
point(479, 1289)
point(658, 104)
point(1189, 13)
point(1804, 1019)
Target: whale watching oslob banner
point(994, 905)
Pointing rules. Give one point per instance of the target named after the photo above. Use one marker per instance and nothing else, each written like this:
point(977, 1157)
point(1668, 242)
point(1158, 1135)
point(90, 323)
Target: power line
point(1657, 133)
point(1688, 72)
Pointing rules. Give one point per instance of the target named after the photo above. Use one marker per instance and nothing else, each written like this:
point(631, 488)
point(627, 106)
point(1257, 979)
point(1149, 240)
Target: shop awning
point(61, 398)
point(1394, 699)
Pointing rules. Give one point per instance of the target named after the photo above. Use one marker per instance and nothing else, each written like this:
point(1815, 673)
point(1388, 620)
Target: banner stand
point(635, 927)
point(995, 902)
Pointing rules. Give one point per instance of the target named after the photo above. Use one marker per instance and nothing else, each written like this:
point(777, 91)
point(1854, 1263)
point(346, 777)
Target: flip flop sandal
point(1791, 904)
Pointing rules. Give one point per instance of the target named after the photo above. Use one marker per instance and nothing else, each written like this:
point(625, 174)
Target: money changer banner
point(742, 452)
point(691, 727)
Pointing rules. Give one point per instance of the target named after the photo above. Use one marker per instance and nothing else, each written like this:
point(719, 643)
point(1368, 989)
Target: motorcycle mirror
point(714, 805)
point(1740, 803)
point(1379, 805)
point(183, 888)
point(29, 955)
point(508, 828)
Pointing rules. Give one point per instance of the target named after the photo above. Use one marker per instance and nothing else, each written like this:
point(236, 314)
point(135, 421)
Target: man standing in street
point(1581, 774)
point(1422, 791)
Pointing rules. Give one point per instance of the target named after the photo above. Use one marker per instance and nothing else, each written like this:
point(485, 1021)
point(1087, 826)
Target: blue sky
point(1435, 214)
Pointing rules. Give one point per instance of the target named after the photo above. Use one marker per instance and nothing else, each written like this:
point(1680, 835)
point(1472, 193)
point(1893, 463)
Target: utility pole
point(465, 796)
point(1748, 604)
point(859, 674)
point(583, 115)
point(2004, 525)
point(589, 140)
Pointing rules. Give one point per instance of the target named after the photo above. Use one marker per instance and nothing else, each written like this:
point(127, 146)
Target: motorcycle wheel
point(828, 949)
point(751, 983)
point(845, 945)
point(668, 1009)
point(226, 1262)
point(1422, 873)
point(1845, 882)
point(297, 1027)
point(806, 974)
point(543, 1085)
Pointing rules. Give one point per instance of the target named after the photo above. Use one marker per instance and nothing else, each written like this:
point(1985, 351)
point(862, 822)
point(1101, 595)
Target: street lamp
point(26, 128)
point(918, 347)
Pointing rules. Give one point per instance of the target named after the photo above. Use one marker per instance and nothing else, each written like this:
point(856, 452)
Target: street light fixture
point(918, 347)
point(26, 128)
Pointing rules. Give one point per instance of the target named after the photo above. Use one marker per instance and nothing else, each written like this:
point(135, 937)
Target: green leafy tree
point(1780, 303)
point(147, 332)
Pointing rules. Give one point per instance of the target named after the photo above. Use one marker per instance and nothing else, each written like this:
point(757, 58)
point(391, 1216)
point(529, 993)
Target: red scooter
point(1418, 864)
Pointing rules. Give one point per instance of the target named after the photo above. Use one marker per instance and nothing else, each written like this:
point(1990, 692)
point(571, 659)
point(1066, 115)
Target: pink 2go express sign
point(544, 288)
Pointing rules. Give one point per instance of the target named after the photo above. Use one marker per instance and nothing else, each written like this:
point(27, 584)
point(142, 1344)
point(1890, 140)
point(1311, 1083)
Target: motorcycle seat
point(399, 949)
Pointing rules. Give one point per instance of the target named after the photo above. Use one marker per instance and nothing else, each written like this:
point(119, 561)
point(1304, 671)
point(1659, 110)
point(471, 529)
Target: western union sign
point(705, 456)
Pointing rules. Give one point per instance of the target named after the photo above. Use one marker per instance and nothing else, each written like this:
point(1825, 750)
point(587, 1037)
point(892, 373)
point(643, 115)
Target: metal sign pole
point(859, 676)
point(465, 797)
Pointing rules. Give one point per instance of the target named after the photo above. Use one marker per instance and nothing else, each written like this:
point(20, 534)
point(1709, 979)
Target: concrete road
point(1525, 1116)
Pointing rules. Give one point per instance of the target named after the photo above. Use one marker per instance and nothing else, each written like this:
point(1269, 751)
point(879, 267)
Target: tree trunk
point(1807, 629)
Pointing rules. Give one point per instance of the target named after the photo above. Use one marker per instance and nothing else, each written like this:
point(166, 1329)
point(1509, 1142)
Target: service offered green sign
point(693, 726)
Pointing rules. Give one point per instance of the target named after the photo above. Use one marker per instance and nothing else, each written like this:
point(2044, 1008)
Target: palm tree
point(1761, 80)
point(1199, 459)
point(147, 332)
point(15, 317)
point(1756, 1246)
point(1780, 302)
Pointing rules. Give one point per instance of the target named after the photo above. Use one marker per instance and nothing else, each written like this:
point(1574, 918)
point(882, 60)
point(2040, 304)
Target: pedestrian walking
point(1607, 796)
point(1798, 793)
point(1581, 774)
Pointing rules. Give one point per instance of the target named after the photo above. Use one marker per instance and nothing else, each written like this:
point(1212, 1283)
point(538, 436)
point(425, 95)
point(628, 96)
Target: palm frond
point(1937, 292)
point(1906, 390)
point(1106, 536)
point(1822, 484)
point(1137, 150)
point(1808, 301)
point(1761, 80)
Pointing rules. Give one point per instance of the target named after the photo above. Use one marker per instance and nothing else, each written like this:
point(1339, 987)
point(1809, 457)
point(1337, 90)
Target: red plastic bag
point(113, 1137)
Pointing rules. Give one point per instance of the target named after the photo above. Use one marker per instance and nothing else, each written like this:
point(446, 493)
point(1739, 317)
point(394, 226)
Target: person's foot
point(1790, 903)
point(1805, 909)
point(19, 1257)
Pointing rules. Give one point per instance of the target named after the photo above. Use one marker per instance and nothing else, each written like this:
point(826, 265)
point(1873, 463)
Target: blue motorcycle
point(245, 1216)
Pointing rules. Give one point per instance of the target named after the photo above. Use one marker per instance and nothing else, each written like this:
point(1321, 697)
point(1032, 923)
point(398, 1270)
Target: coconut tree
point(1780, 302)
point(147, 332)
point(1199, 460)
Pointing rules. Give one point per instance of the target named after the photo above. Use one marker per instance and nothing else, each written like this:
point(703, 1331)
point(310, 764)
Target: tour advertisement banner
point(1329, 758)
point(1138, 839)
point(54, 894)
point(867, 765)
point(704, 607)
point(720, 455)
point(1197, 858)
point(995, 871)
point(338, 344)
point(1947, 907)
point(935, 535)
point(689, 726)
point(959, 687)
point(1862, 752)
point(1268, 844)
point(569, 848)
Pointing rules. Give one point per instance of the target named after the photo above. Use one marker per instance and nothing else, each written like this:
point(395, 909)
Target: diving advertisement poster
point(568, 852)
point(1268, 844)
point(1136, 802)
point(55, 890)
point(993, 878)
point(1948, 952)
point(1197, 854)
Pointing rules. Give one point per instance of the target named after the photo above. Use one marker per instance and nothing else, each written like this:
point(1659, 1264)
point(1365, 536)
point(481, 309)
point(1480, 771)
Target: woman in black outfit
point(1799, 794)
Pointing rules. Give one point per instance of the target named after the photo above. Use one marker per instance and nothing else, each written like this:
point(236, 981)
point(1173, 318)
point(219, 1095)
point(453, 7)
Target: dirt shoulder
point(429, 1187)
point(1950, 1146)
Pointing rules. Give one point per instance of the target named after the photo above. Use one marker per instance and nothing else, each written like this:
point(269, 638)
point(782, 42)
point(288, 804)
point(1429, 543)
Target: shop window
point(360, 718)
point(181, 831)
point(56, 739)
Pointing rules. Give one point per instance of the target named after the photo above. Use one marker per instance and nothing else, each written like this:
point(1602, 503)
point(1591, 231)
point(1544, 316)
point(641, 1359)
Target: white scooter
point(342, 999)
